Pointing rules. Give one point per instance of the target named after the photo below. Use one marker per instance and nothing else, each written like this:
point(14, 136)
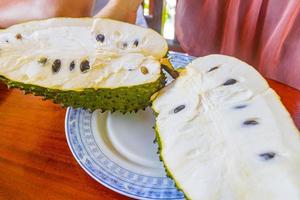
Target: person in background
point(16, 11)
point(264, 33)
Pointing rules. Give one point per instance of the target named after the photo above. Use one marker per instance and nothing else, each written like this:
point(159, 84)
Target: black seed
point(230, 82)
point(125, 45)
point(179, 108)
point(85, 66)
point(213, 68)
point(72, 65)
point(250, 122)
point(7, 41)
point(267, 156)
point(19, 36)
point(136, 43)
point(240, 106)
point(130, 70)
point(42, 60)
point(100, 38)
point(155, 141)
point(56, 65)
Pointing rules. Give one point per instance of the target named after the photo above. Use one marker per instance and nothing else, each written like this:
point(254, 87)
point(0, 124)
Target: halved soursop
point(92, 63)
point(224, 134)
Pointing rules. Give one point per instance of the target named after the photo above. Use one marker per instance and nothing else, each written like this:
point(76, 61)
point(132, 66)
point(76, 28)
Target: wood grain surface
point(35, 160)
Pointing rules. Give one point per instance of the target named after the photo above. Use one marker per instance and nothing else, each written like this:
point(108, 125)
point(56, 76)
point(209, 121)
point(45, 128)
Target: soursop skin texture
point(91, 63)
point(122, 99)
point(224, 134)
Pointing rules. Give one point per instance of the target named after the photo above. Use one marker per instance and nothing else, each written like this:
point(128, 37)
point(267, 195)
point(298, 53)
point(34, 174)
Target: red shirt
point(264, 33)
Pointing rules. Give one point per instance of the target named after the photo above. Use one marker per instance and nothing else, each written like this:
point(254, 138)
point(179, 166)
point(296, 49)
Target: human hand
point(120, 10)
point(16, 11)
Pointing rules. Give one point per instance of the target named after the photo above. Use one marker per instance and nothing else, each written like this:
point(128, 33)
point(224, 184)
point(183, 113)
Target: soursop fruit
point(224, 134)
point(86, 62)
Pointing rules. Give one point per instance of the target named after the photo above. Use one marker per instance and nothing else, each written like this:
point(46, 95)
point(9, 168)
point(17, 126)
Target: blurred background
point(160, 15)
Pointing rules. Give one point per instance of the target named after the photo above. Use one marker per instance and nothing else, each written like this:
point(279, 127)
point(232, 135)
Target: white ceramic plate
point(119, 151)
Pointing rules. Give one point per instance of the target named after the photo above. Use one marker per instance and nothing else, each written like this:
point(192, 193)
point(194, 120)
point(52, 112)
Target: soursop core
point(72, 54)
point(225, 135)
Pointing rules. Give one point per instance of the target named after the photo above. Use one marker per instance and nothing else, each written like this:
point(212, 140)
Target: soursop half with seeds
point(224, 134)
point(87, 62)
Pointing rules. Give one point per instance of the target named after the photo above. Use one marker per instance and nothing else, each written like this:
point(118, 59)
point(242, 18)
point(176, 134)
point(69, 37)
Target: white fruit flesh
point(114, 62)
point(208, 147)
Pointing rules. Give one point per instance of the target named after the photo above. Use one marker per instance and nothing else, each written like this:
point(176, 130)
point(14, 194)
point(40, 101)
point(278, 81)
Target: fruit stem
point(168, 67)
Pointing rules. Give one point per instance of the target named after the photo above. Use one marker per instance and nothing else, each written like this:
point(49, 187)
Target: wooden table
point(35, 160)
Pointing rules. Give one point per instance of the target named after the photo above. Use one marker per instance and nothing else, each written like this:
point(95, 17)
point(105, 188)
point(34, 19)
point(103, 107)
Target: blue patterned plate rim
point(86, 169)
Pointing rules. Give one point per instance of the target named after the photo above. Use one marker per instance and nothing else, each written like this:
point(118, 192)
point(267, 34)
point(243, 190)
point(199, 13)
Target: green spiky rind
point(160, 147)
point(123, 99)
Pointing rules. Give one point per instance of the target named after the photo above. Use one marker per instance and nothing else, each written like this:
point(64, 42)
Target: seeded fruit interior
point(224, 134)
point(74, 54)
point(115, 60)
